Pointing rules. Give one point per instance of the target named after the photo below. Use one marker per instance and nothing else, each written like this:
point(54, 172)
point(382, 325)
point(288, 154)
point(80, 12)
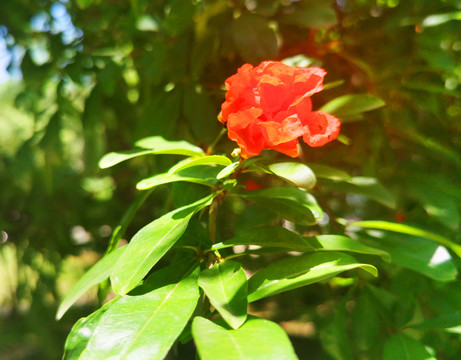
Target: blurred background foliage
point(93, 76)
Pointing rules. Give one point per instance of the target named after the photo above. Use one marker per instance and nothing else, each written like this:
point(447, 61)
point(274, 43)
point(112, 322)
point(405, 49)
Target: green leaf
point(228, 170)
point(256, 339)
point(178, 16)
point(83, 4)
point(403, 347)
point(293, 204)
point(98, 273)
point(365, 186)
point(296, 173)
point(334, 336)
point(312, 17)
point(418, 254)
point(226, 286)
point(201, 112)
point(328, 172)
point(409, 230)
point(205, 160)
point(165, 101)
point(296, 271)
point(204, 175)
point(275, 236)
point(114, 158)
point(450, 322)
point(150, 243)
point(163, 146)
point(119, 231)
point(140, 325)
point(351, 105)
point(437, 203)
point(366, 323)
point(254, 216)
point(255, 38)
point(82, 331)
point(270, 236)
point(156, 145)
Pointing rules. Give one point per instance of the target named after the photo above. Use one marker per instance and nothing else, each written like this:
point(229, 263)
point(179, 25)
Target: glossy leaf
point(293, 204)
point(114, 158)
point(163, 146)
point(418, 254)
point(296, 271)
point(368, 187)
point(256, 339)
point(225, 285)
point(403, 347)
point(203, 174)
point(297, 173)
point(328, 172)
point(351, 105)
point(140, 325)
point(228, 170)
point(155, 145)
point(205, 160)
point(149, 245)
point(98, 272)
point(409, 230)
point(276, 236)
point(82, 331)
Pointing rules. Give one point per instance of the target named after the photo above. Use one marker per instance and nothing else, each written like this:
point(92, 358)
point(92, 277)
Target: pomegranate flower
point(269, 107)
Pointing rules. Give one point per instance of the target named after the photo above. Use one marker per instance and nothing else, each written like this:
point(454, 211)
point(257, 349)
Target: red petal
point(242, 128)
point(320, 128)
point(289, 148)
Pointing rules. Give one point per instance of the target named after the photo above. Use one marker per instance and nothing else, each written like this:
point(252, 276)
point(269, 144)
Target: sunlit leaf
point(296, 271)
point(276, 236)
point(156, 145)
point(351, 105)
point(296, 173)
point(409, 230)
point(256, 339)
point(418, 254)
point(225, 284)
point(82, 331)
point(328, 172)
point(205, 160)
point(149, 331)
point(228, 170)
point(150, 243)
point(204, 175)
point(99, 272)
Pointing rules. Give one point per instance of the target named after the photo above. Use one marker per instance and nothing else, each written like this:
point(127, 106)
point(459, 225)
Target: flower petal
point(320, 128)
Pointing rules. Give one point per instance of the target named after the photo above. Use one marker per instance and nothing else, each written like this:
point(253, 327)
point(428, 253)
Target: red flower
point(269, 107)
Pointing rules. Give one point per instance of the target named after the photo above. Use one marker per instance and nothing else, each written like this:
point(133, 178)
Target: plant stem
point(213, 144)
point(212, 216)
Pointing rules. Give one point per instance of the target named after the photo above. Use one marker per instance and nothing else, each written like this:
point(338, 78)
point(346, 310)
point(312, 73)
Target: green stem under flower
point(213, 144)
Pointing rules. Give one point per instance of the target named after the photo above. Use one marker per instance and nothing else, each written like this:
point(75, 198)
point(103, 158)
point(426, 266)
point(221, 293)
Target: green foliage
point(97, 76)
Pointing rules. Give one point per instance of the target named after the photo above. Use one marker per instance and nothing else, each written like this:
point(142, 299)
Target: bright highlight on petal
point(269, 107)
